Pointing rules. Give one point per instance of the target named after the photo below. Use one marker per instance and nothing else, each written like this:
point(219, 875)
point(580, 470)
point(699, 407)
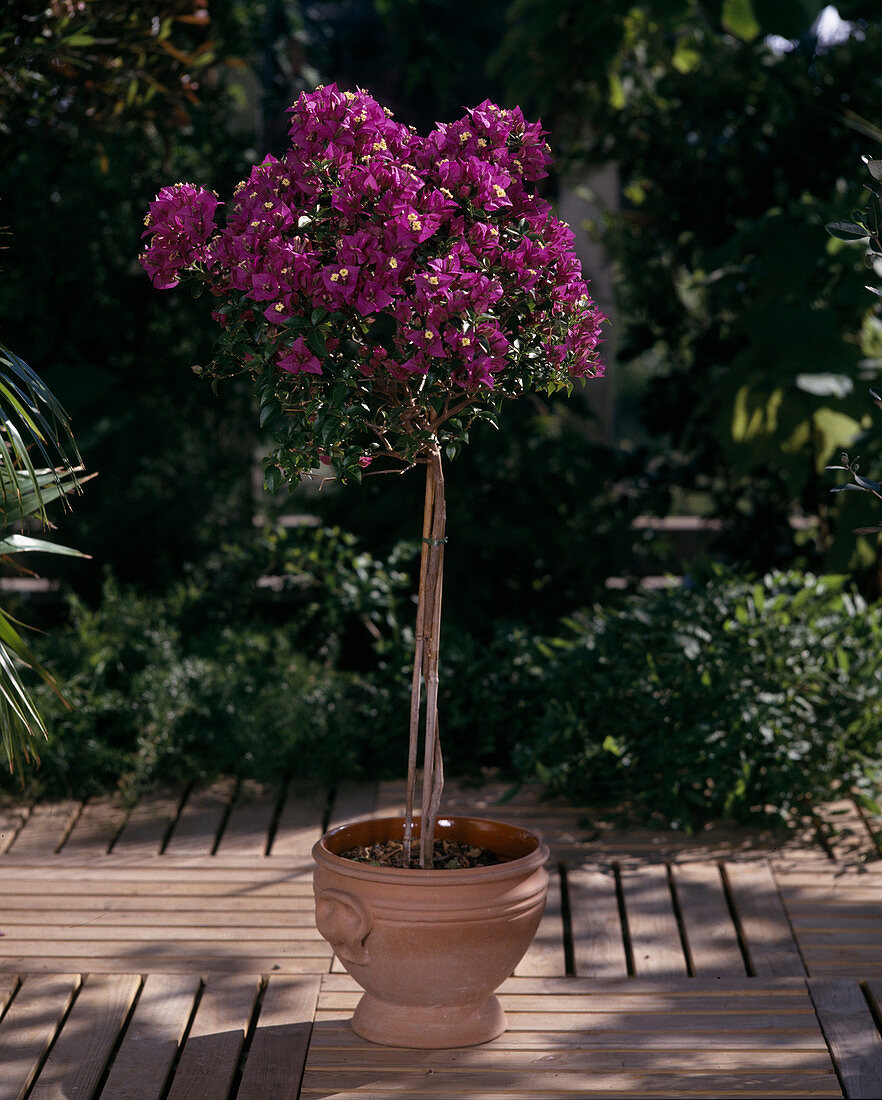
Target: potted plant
point(384, 291)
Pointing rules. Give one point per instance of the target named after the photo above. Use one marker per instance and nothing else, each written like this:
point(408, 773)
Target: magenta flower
point(388, 273)
point(298, 359)
point(180, 222)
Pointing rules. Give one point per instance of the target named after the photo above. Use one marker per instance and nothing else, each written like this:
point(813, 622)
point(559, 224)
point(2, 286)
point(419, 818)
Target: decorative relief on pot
point(345, 923)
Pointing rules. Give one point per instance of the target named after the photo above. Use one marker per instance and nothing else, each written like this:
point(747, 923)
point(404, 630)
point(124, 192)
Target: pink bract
point(362, 217)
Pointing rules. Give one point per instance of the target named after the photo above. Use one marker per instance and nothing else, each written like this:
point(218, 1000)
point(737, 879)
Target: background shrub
point(737, 699)
point(221, 675)
point(733, 698)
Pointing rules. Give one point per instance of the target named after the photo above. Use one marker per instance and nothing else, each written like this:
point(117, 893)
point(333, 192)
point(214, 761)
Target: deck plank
point(29, 1027)
point(210, 1057)
point(598, 939)
point(300, 822)
point(656, 947)
point(604, 1037)
point(352, 802)
point(81, 1051)
point(198, 826)
point(164, 914)
point(547, 953)
point(251, 818)
point(767, 936)
point(845, 833)
point(8, 987)
point(851, 1034)
point(12, 818)
point(148, 824)
point(281, 1040)
point(711, 936)
point(835, 917)
point(45, 829)
point(149, 1048)
point(96, 828)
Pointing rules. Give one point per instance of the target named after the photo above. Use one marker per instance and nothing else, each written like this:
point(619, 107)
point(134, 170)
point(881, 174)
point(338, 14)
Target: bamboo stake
point(433, 771)
point(425, 668)
point(419, 648)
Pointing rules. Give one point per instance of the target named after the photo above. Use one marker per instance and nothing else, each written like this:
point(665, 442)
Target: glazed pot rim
point(519, 865)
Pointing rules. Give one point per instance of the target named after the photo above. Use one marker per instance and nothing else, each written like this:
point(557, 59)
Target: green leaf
point(738, 18)
point(32, 417)
point(874, 167)
point(316, 343)
point(22, 544)
point(612, 745)
point(617, 97)
point(32, 502)
point(272, 479)
point(685, 57)
point(846, 231)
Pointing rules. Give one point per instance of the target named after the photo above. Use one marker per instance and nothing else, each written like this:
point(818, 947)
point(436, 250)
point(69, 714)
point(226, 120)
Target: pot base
point(428, 1027)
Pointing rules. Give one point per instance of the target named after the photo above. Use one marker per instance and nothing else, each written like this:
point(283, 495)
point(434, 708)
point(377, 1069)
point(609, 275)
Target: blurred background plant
point(708, 143)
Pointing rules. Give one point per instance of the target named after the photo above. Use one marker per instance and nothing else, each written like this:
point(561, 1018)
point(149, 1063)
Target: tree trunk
point(425, 667)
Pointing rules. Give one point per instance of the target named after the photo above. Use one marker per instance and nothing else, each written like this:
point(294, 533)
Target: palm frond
point(32, 420)
point(39, 463)
point(21, 725)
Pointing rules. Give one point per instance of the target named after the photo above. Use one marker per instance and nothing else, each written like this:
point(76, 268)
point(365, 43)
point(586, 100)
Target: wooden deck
point(169, 953)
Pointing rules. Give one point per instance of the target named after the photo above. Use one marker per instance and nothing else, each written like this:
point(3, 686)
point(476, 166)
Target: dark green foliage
point(82, 158)
point(733, 699)
point(736, 699)
point(222, 676)
point(538, 513)
point(740, 338)
point(340, 604)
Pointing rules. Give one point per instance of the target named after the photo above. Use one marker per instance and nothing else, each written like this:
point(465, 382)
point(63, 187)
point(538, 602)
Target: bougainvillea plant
point(383, 291)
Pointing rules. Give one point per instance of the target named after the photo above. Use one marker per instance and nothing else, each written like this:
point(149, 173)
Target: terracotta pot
point(430, 947)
